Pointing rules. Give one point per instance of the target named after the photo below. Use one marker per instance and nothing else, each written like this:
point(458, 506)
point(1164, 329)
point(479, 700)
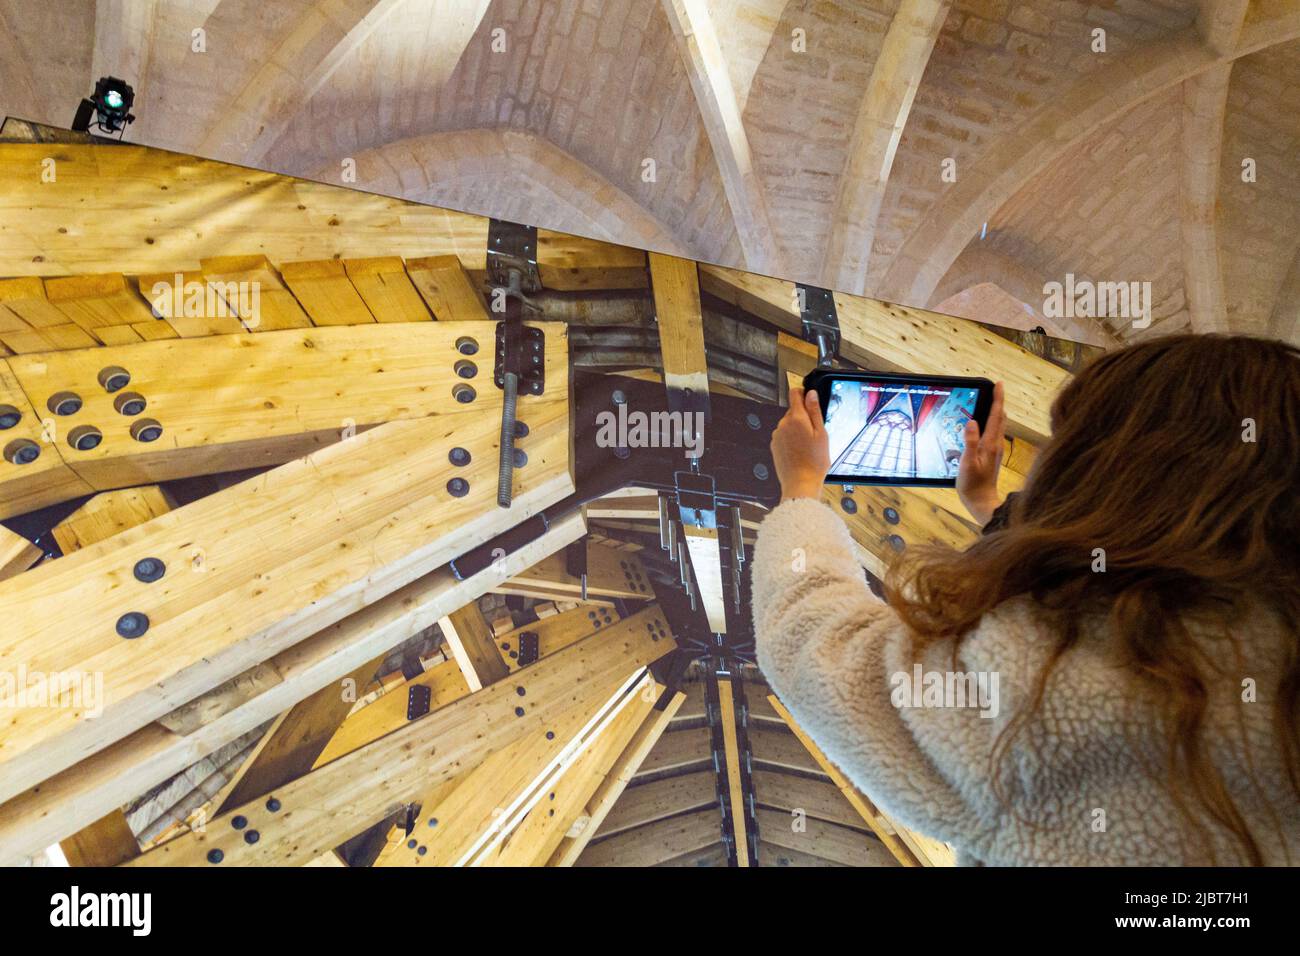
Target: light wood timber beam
point(276, 310)
point(560, 800)
point(342, 798)
point(387, 290)
point(731, 760)
point(325, 292)
point(882, 115)
point(770, 854)
point(105, 307)
point(777, 747)
point(555, 632)
point(681, 325)
point(1205, 104)
point(447, 288)
point(474, 647)
point(815, 798)
point(912, 850)
point(260, 566)
point(656, 843)
point(109, 513)
point(17, 554)
point(610, 574)
point(890, 338)
point(1095, 100)
point(701, 54)
point(678, 750)
point(109, 840)
point(216, 207)
point(291, 746)
point(456, 827)
point(712, 856)
point(75, 797)
point(247, 400)
point(659, 800)
point(607, 794)
point(819, 838)
point(44, 480)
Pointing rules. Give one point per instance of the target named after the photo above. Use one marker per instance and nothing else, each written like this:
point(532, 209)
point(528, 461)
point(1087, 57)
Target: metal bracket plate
point(821, 321)
point(418, 699)
point(529, 648)
point(512, 246)
point(525, 355)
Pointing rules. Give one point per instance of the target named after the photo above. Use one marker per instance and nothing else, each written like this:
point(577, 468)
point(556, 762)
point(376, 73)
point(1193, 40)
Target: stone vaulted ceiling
point(945, 154)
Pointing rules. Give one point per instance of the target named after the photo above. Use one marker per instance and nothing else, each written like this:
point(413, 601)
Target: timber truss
point(360, 577)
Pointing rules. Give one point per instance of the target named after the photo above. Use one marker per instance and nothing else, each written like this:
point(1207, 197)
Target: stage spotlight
point(109, 106)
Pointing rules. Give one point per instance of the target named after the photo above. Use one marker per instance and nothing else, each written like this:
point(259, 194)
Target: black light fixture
point(109, 106)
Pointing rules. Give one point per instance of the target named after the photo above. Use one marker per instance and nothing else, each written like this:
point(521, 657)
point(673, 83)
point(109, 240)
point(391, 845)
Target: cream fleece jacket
point(1074, 779)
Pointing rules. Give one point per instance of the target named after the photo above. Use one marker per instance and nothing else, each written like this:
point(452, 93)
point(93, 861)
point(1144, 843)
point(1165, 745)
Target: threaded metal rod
point(506, 469)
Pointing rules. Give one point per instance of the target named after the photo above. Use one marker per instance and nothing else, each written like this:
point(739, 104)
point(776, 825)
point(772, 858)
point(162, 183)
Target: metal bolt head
point(849, 505)
point(251, 837)
point(760, 471)
point(148, 570)
point(22, 451)
point(85, 438)
point(621, 453)
point(521, 458)
point(9, 417)
point(891, 515)
point(753, 421)
point(619, 397)
point(215, 856)
point(131, 625)
point(114, 378)
point(273, 805)
point(519, 711)
point(521, 429)
point(897, 543)
point(239, 821)
point(64, 403)
point(459, 456)
point(146, 430)
point(458, 487)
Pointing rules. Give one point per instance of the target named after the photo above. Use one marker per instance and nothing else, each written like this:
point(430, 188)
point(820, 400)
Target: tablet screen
point(892, 430)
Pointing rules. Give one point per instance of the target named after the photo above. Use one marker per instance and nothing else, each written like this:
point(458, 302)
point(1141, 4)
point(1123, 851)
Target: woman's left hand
point(800, 448)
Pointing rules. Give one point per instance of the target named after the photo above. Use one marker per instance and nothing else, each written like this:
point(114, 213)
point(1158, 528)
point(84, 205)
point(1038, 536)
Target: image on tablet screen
point(892, 430)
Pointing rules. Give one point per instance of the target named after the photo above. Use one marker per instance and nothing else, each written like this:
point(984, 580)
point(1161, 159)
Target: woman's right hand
point(977, 473)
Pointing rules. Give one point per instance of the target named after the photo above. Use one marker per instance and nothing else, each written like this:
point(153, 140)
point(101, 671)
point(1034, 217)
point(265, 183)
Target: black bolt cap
point(132, 624)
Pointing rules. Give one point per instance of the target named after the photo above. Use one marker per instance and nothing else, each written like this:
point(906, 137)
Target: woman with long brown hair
point(1111, 673)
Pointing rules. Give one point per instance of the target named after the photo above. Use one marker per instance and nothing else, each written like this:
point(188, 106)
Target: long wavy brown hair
point(1180, 457)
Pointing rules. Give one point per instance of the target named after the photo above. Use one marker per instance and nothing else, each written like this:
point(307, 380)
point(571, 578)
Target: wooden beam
point(781, 749)
point(681, 324)
point(447, 289)
point(678, 750)
point(336, 544)
point(277, 309)
point(606, 796)
point(17, 554)
point(474, 647)
point(819, 838)
point(106, 842)
point(555, 632)
point(656, 843)
point(247, 400)
point(386, 289)
point(109, 513)
point(914, 850)
point(886, 337)
point(731, 760)
point(75, 797)
point(659, 800)
point(342, 798)
point(816, 798)
point(882, 115)
point(705, 65)
point(610, 574)
point(323, 290)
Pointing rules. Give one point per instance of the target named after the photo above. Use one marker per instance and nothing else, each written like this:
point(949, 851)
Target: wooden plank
point(562, 799)
point(388, 713)
point(610, 574)
point(447, 289)
point(826, 840)
point(386, 289)
point(656, 843)
point(189, 305)
point(781, 749)
point(318, 527)
point(681, 323)
point(342, 798)
point(46, 479)
point(93, 302)
point(106, 842)
point(323, 290)
point(677, 750)
point(110, 513)
point(556, 631)
point(769, 854)
point(731, 760)
point(606, 796)
point(25, 298)
point(292, 745)
point(816, 798)
point(75, 797)
point(474, 647)
point(17, 554)
point(886, 831)
point(888, 337)
point(715, 855)
point(255, 400)
point(659, 799)
point(276, 307)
